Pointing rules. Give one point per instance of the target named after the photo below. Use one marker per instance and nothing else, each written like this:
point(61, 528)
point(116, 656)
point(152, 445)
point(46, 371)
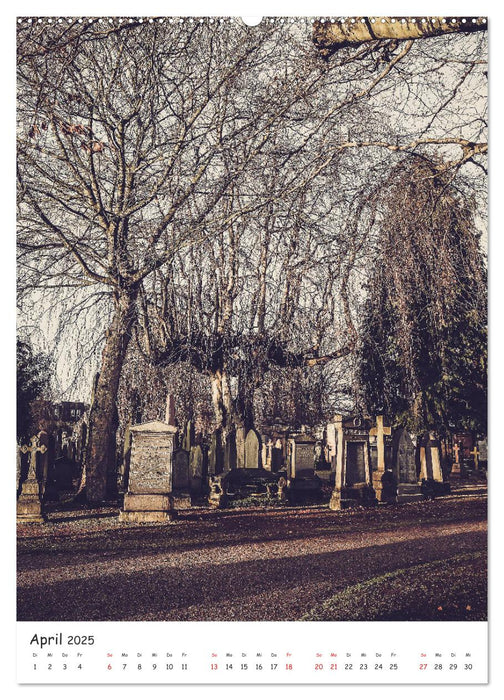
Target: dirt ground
point(259, 563)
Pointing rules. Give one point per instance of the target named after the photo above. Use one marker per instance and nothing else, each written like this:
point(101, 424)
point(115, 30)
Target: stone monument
point(149, 497)
point(29, 506)
point(404, 467)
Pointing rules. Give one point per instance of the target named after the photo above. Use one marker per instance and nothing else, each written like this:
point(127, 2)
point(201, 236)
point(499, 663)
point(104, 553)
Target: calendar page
point(251, 441)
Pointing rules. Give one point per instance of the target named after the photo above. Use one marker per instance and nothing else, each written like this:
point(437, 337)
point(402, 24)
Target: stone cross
point(380, 431)
point(29, 506)
point(456, 450)
point(475, 454)
point(33, 448)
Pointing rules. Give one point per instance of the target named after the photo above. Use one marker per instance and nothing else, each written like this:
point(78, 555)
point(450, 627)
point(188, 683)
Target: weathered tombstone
point(302, 457)
point(150, 484)
point(483, 454)
point(266, 452)
point(252, 450)
point(404, 457)
point(29, 505)
point(302, 481)
point(404, 467)
point(217, 497)
point(196, 469)
point(240, 447)
point(181, 479)
point(352, 479)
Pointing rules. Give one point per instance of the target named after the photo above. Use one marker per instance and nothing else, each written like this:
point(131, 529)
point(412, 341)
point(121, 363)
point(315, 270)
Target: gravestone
point(240, 447)
point(196, 469)
point(353, 483)
point(252, 450)
point(217, 497)
point(483, 454)
point(302, 481)
point(404, 467)
point(355, 463)
point(150, 483)
point(379, 433)
point(456, 450)
point(267, 452)
point(302, 457)
point(29, 505)
point(181, 479)
point(404, 457)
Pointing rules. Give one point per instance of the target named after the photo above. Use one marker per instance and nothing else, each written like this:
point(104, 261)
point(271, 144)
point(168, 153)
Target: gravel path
point(230, 565)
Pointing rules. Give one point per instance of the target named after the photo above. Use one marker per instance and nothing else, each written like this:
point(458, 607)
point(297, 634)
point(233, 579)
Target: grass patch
point(449, 589)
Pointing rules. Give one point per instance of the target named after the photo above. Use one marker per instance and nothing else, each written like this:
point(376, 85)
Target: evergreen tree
point(33, 373)
point(423, 355)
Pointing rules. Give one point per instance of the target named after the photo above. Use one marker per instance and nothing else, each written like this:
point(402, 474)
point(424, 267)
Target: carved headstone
point(267, 452)
point(217, 497)
point(403, 451)
point(150, 482)
point(302, 457)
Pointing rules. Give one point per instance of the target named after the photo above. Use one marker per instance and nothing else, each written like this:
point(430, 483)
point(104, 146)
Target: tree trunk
point(330, 37)
point(103, 420)
point(221, 399)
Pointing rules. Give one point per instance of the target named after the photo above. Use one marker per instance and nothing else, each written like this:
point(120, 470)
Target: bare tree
point(192, 179)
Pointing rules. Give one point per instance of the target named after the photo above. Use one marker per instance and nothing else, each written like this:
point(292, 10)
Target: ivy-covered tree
point(423, 354)
point(33, 376)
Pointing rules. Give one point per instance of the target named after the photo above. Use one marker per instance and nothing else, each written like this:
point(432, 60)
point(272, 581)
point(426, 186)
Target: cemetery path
point(254, 564)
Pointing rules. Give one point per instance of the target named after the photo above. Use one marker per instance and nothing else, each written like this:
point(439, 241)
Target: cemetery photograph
point(252, 319)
